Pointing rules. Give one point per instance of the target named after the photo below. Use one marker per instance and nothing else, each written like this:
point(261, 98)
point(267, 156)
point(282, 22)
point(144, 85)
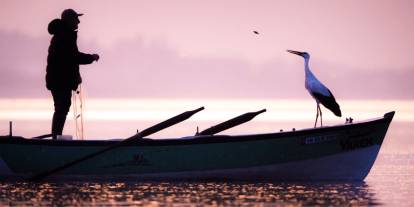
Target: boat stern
point(4, 169)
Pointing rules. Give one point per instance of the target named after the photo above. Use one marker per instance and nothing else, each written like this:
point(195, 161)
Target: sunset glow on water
point(121, 118)
point(216, 109)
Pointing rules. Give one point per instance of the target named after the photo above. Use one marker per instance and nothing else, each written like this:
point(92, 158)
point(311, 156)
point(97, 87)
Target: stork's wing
point(329, 102)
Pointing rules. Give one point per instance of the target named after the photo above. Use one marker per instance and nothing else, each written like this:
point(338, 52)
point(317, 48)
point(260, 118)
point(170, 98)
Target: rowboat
point(344, 152)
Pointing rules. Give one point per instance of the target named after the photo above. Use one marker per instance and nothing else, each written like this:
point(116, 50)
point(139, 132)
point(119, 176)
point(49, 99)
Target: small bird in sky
point(317, 90)
point(256, 32)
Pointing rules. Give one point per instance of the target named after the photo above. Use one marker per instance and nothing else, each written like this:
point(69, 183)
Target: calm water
point(390, 183)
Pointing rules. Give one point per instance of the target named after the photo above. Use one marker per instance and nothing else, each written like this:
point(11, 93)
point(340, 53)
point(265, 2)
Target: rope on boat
point(78, 116)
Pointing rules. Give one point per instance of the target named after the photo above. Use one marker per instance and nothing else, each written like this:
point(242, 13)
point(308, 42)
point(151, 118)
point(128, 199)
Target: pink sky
point(206, 48)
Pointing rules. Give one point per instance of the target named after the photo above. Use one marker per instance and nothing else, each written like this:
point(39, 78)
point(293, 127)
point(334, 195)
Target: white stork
point(317, 90)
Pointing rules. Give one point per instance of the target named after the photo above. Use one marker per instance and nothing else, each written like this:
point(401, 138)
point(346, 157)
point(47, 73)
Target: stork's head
point(303, 54)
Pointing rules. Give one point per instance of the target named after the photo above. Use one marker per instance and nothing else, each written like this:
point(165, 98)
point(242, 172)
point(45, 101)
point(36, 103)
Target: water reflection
point(187, 193)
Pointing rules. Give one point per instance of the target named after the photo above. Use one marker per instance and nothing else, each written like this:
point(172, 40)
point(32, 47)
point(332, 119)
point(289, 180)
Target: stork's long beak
point(295, 52)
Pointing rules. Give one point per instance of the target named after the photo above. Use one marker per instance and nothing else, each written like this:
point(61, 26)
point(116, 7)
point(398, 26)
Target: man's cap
point(69, 13)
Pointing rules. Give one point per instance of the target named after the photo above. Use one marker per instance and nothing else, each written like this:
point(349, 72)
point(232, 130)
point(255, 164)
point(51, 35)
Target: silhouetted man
point(63, 60)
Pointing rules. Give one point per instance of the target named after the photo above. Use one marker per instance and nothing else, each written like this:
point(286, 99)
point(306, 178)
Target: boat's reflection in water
point(186, 193)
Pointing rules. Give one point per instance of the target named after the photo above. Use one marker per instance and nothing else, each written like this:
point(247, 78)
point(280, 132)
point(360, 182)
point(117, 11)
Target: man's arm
point(86, 58)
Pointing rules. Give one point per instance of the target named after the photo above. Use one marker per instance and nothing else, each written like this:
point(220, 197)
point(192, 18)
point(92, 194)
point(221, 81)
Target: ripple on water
point(193, 193)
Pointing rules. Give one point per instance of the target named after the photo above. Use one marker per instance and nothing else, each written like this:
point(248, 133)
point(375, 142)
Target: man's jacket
point(64, 58)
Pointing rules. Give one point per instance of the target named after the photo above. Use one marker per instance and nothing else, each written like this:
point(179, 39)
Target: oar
point(151, 130)
point(42, 136)
point(231, 123)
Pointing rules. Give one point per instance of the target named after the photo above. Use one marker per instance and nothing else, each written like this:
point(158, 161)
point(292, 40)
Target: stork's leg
point(317, 114)
point(320, 111)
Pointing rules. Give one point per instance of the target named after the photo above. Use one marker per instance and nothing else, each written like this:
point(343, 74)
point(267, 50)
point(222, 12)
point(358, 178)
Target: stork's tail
point(329, 102)
point(336, 110)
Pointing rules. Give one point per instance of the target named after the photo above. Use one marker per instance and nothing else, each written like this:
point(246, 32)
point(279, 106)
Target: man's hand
point(95, 57)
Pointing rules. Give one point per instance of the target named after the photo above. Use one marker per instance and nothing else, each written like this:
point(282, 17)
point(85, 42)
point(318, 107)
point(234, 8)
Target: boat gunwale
point(205, 139)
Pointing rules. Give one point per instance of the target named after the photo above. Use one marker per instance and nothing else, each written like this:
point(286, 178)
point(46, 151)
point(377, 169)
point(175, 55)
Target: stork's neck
point(308, 72)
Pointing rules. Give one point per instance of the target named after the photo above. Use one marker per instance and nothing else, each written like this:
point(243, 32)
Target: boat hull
point(344, 152)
